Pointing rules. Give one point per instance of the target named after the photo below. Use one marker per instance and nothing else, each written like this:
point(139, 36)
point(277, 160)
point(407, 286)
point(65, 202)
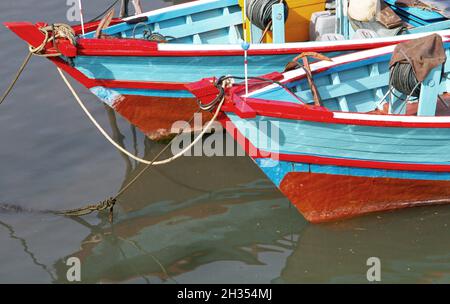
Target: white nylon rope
point(120, 148)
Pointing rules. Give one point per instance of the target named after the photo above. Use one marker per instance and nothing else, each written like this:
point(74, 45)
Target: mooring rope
point(59, 30)
point(16, 77)
point(109, 203)
point(65, 31)
point(120, 148)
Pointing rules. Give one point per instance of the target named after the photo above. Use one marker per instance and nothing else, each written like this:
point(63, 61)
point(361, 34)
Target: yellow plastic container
point(297, 24)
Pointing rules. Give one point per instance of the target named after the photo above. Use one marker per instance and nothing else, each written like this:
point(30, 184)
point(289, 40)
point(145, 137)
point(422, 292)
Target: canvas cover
point(424, 54)
point(363, 10)
point(441, 6)
point(387, 17)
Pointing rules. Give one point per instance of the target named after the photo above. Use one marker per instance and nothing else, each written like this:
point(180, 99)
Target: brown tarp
point(387, 17)
point(424, 54)
point(386, 23)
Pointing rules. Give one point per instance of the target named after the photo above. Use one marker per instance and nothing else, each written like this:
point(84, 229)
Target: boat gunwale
point(120, 47)
point(297, 111)
point(257, 153)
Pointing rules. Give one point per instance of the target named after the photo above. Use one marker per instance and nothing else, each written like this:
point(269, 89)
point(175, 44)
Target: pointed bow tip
point(14, 24)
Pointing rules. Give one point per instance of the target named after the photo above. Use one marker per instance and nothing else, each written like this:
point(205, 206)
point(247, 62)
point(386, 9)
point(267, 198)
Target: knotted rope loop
point(103, 205)
point(51, 34)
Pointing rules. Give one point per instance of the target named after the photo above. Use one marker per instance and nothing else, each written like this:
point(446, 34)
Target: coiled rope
point(260, 12)
point(52, 33)
point(403, 79)
point(149, 35)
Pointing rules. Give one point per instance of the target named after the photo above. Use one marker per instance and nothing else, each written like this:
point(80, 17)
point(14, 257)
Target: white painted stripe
point(357, 56)
point(396, 118)
point(290, 45)
point(328, 64)
point(172, 8)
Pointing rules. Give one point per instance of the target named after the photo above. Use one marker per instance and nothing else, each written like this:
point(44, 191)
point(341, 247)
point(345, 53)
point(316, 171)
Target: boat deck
point(442, 109)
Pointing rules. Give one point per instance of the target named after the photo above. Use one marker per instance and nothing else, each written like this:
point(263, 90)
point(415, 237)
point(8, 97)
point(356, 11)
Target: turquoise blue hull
point(176, 70)
point(355, 142)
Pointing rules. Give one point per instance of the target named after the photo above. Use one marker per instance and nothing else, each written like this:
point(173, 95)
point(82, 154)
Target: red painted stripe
point(116, 47)
point(141, 47)
point(143, 85)
point(74, 73)
point(363, 163)
point(145, 48)
point(129, 47)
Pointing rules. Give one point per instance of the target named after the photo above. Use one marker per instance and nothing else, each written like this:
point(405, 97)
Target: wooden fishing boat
point(144, 80)
point(363, 149)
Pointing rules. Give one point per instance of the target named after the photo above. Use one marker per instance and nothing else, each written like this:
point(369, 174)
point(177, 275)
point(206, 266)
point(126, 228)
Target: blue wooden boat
point(367, 147)
point(144, 80)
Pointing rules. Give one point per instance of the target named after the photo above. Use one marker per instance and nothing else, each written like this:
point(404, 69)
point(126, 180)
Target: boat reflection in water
point(216, 219)
point(412, 247)
point(213, 214)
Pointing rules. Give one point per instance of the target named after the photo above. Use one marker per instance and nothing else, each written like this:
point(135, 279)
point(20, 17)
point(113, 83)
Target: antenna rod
point(245, 46)
point(81, 16)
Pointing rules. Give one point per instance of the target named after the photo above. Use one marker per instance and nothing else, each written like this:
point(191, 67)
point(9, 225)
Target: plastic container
point(321, 23)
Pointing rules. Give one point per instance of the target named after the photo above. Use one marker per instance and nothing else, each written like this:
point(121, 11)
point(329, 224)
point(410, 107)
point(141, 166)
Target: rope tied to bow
point(64, 31)
point(51, 34)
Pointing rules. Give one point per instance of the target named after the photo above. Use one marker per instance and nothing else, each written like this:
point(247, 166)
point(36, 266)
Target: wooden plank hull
point(334, 163)
point(334, 188)
point(154, 116)
point(328, 197)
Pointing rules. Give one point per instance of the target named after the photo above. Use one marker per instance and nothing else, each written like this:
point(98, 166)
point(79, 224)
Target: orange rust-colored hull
point(327, 197)
point(154, 116)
